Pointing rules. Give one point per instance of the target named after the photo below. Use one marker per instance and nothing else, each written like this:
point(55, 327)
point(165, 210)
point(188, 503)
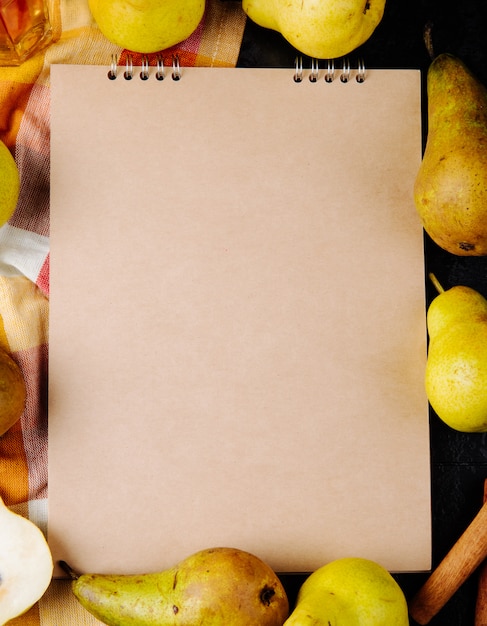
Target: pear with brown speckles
point(450, 190)
point(456, 369)
point(217, 586)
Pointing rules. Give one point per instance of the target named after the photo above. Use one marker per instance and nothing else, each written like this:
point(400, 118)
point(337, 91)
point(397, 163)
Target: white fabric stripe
point(22, 252)
point(38, 513)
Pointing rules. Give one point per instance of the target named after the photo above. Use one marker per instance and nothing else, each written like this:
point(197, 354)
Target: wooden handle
point(481, 604)
point(464, 557)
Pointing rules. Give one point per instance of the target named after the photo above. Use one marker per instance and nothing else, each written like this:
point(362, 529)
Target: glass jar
point(25, 28)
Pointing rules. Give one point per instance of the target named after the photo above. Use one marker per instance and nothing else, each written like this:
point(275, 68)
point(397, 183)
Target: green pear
point(147, 25)
point(323, 29)
point(26, 564)
point(217, 586)
point(456, 367)
point(350, 592)
point(10, 184)
point(450, 191)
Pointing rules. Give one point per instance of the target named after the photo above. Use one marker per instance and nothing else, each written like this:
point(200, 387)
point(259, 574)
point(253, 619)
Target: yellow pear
point(25, 564)
point(456, 367)
point(147, 25)
point(9, 185)
point(323, 29)
point(350, 591)
point(450, 191)
point(12, 392)
point(217, 587)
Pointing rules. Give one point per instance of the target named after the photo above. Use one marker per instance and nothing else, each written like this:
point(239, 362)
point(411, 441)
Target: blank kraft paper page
point(237, 321)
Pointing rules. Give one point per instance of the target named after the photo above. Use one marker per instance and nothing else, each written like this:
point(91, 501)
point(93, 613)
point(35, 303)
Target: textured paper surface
point(237, 321)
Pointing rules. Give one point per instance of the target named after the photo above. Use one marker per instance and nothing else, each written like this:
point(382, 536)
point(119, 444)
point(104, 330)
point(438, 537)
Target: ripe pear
point(450, 191)
point(147, 25)
point(323, 29)
point(350, 591)
point(9, 185)
point(12, 392)
point(217, 586)
point(456, 367)
point(26, 564)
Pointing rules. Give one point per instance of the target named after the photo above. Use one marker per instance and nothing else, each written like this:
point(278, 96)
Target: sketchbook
point(237, 317)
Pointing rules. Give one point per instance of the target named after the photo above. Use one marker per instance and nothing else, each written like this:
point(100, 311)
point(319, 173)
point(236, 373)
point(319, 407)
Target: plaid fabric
point(24, 245)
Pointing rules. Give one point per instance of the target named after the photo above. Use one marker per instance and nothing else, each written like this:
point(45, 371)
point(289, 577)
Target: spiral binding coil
point(330, 71)
point(144, 74)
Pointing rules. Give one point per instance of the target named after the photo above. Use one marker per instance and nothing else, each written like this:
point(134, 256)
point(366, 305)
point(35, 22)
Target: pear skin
point(350, 591)
point(217, 586)
point(10, 184)
point(450, 190)
point(456, 367)
point(147, 25)
point(13, 392)
point(323, 29)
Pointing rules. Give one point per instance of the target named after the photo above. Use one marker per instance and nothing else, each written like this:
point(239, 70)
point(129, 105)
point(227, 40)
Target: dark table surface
point(458, 460)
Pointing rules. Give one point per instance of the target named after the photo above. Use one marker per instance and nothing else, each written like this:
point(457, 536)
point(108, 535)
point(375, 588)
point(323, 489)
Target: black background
point(458, 460)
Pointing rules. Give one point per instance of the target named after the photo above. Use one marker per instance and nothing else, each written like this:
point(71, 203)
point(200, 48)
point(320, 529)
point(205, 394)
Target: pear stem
point(428, 39)
point(436, 283)
point(69, 570)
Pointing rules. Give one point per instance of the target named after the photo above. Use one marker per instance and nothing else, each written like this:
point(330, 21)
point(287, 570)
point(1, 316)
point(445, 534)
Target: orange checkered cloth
point(24, 245)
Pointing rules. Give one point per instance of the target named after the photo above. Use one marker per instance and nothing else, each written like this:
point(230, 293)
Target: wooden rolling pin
point(462, 560)
point(481, 605)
